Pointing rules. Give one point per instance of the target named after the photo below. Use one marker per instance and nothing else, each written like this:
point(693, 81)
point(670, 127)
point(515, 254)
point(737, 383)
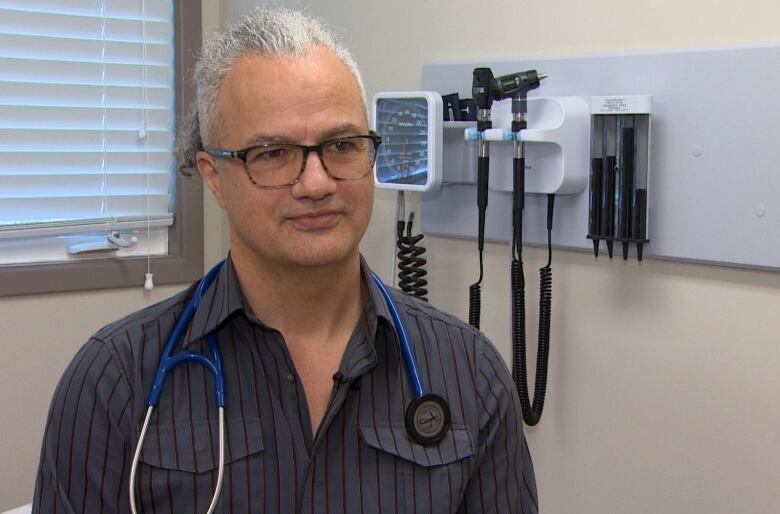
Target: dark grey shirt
point(361, 459)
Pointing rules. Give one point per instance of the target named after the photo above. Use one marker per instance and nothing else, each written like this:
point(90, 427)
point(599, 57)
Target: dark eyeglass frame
point(241, 155)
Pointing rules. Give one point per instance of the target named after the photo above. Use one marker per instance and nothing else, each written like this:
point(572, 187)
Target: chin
point(290, 251)
point(311, 258)
point(326, 249)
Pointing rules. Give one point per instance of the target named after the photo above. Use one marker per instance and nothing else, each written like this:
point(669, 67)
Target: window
point(89, 91)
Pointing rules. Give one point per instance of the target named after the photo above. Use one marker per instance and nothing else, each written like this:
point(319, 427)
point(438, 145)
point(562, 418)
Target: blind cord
point(104, 119)
point(148, 277)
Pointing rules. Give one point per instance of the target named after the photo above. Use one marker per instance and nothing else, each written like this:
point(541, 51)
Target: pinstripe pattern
point(361, 460)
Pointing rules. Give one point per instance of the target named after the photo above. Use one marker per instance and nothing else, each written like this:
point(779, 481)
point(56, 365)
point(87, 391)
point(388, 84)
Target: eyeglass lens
point(276, 165)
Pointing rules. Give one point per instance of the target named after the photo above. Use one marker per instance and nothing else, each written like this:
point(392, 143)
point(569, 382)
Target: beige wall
point(40, 335)
point(664, 384)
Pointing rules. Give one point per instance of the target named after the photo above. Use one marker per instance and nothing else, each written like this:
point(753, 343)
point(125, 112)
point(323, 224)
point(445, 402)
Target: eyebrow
point(345, 130)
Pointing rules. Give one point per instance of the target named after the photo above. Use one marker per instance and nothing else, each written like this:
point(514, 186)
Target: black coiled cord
point(411, 277)
point(475, 298)
point(532, 412)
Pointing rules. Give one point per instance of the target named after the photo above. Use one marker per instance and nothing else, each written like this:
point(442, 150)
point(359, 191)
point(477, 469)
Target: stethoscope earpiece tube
point(220, 466)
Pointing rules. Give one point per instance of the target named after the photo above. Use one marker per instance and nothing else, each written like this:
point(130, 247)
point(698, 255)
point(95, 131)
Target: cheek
point(234, 201)
point(246, 210)
point(362, 199)
point(369, 203)
point(369, 197)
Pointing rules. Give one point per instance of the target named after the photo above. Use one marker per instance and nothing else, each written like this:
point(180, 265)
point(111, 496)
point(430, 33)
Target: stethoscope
point(427, 417)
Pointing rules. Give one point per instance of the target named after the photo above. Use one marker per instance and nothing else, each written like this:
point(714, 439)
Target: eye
point(272, 153)
point(342, 146)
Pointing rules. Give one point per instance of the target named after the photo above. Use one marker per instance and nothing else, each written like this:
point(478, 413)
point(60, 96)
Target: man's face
point(303, 100)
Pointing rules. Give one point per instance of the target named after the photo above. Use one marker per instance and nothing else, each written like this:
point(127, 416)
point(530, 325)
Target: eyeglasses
point(273, 165)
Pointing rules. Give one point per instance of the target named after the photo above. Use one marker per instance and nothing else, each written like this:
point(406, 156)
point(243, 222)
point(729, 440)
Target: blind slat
point(73, 95)
point(83, 50)
point(91, 73)
point(158, 10)
point(59, 229)
point(21, 210)
point(42, 186)
point(14, 21)
point(85, 140)
point(43, 163)
point(28, 117)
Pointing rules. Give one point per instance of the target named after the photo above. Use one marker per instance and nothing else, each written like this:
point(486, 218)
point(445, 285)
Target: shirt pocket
point(428, 479)
point(184, 458)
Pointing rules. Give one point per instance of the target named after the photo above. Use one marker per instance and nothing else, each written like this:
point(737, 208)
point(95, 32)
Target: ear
point(208, 170)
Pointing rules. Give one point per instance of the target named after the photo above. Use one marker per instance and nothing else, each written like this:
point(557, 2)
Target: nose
point(314, 182)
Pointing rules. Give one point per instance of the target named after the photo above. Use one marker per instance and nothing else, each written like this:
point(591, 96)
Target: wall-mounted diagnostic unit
point(409, 159)
point(703, 188)
point(582, 146)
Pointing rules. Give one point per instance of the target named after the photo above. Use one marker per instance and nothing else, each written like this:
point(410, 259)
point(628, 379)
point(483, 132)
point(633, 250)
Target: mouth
point(316, 220)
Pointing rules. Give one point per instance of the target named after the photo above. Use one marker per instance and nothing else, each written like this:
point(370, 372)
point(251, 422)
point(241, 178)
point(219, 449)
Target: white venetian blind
point(86, 110)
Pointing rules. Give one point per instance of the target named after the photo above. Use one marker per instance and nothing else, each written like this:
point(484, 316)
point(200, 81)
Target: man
point(315, 383)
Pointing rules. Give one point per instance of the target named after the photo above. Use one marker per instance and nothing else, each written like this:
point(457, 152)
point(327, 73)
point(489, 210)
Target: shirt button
point(290, 377)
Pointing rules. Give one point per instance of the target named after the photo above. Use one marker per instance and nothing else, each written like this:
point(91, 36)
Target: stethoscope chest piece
point(428, 419)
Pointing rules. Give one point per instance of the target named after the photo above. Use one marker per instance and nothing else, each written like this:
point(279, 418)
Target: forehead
point(290, 92)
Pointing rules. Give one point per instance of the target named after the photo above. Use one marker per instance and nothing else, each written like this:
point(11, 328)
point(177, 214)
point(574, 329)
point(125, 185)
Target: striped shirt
point(361, 459)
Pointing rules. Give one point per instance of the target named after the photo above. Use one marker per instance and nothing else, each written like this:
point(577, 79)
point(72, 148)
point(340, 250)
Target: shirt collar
point(374, 306)
point(223, 299)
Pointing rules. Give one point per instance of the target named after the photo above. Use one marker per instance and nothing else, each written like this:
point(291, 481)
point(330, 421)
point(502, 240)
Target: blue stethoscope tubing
point(419, 413)
point(403, 339)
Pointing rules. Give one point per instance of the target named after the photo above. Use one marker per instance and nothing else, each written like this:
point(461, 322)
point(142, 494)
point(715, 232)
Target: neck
point(302, 301)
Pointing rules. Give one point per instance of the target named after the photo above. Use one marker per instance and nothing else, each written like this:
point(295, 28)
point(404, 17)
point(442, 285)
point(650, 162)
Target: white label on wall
point(627, 104)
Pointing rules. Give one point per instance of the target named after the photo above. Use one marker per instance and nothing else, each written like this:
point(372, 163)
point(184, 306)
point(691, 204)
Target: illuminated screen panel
point(403, 156)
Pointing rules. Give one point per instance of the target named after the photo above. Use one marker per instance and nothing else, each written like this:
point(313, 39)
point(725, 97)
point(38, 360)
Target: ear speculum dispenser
point(619, 172)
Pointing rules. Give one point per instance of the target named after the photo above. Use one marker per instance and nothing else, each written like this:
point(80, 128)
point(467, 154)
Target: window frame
point(184, 262)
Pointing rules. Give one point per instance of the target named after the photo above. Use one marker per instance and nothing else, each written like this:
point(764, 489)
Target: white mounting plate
point(557, 146)
point(714, 156)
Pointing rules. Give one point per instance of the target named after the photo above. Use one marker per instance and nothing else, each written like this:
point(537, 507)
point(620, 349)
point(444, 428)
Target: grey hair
point(275, 32)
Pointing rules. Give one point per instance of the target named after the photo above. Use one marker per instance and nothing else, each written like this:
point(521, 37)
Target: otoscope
point(516, 86)
point(482, 90)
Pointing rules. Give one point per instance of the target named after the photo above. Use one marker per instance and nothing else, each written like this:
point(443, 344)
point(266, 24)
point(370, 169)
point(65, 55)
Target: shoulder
point(125, 336)
point(459, 362)
point(170, 307)
point(126, 340)
point(452, 344)
point(420, 309)
point(435, 323)
point(110, 363)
